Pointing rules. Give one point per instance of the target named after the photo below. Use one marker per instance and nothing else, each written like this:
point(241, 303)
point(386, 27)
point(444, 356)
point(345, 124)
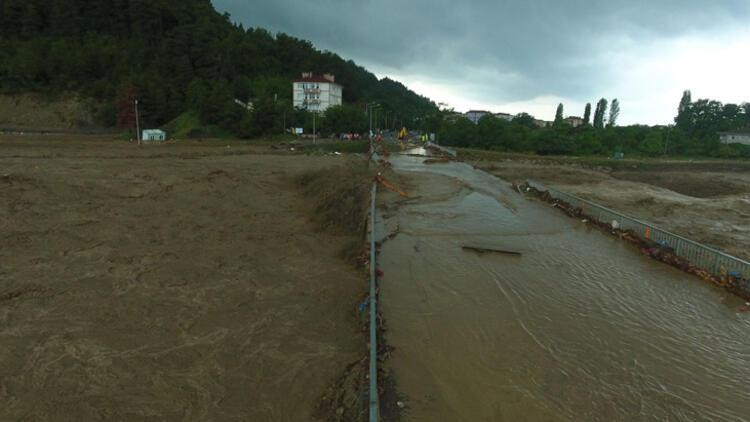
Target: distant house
point(542, 123)
point(476, 115)
point(154, 135)
point(505, 116)
point(316, 92)
point(574, 121)
point(735, 137)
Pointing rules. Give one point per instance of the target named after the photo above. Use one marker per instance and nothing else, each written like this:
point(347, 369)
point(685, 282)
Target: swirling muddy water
point(580, 327)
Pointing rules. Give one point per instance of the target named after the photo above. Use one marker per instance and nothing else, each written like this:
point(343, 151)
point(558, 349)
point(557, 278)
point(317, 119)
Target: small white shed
point(154, 135)
point(735, 137)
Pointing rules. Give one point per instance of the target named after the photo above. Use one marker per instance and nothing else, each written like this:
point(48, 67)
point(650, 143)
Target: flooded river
point(580, 327)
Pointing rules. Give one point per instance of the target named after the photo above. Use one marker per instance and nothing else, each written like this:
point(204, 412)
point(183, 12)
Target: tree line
point(175, 56)
point(695, 132)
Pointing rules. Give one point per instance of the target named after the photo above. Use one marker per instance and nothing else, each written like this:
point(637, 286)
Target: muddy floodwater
point(580, 327)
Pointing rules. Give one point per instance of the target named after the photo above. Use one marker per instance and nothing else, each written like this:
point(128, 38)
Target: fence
point(702, 256)
point(374, 405)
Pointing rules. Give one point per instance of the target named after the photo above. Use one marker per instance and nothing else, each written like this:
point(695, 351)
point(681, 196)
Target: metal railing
point(374, 405)
point(702, 256)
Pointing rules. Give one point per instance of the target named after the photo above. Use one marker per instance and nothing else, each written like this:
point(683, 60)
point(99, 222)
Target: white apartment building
point(476, 115)
point(316, 92)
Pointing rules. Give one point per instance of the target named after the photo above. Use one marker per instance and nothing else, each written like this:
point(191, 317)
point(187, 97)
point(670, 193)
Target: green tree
point(344, 119)
point(614, 112)
point(600, 113)
point(587, 115)
point(684, 118)
point(559, 114)
point(32, 21)
point(526, 120)
point(653, 144)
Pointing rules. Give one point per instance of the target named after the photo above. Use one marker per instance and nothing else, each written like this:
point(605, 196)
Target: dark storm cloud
point(497, 50)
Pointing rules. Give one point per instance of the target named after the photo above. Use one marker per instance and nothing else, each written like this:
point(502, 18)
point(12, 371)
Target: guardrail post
point(374, 405)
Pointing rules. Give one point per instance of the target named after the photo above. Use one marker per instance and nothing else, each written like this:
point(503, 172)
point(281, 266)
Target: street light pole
point(315, 113)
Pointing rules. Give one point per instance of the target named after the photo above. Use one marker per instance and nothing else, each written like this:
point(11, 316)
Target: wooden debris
point(388, 185)
point(482, 250)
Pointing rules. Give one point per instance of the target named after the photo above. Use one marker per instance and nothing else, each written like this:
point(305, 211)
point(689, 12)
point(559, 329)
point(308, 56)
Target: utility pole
point(137, 124)
point(368, 109)
point(315, 113)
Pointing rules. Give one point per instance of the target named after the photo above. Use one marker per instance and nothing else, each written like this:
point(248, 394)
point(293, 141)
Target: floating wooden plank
point(483, 250)
point(388, 185)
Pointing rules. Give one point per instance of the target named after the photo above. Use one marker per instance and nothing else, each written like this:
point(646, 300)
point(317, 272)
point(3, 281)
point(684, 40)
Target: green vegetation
point(559, 114)
point(587, 114)
point(183, 61)
point(695, 133)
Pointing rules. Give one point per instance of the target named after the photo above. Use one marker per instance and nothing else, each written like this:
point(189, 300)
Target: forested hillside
point(179, 58)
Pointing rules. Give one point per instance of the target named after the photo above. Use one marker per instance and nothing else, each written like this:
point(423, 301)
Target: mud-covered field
point(172, 282)
point(706, 202)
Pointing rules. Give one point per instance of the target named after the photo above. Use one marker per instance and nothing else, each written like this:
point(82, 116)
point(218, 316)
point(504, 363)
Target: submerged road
point(580, 327)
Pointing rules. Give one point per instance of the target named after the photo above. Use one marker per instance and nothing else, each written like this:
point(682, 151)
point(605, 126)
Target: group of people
point(350, 136)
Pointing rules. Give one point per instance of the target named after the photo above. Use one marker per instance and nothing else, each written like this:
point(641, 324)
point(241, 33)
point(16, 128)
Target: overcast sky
point(529, 55)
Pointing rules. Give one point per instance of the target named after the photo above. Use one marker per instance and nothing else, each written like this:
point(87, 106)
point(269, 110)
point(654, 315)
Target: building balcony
point(312, 91)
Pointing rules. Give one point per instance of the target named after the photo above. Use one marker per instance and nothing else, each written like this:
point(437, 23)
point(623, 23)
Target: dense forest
point(694, 134)
point(181, 59)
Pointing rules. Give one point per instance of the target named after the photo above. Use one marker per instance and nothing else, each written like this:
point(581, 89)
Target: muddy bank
point(156, 287)
point(711, 207)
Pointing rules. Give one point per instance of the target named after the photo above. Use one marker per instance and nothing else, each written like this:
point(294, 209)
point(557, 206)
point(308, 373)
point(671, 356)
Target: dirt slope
point(33, 111)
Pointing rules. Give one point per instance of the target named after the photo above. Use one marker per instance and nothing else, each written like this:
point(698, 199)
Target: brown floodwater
point(580, 327)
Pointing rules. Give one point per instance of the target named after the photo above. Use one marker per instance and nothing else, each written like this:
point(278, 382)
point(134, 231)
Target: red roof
point(315, 78)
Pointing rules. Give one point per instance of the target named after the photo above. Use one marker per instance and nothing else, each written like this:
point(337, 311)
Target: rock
point(400, 404)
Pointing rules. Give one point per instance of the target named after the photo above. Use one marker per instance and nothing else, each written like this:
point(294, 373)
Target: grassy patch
point(340, 196)
point(188, 126)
